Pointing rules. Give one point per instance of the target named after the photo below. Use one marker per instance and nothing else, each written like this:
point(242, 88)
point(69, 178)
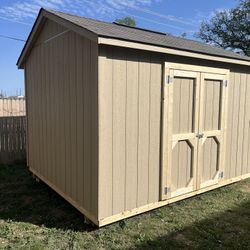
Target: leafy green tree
point(129, 21)
point(184, 35)
point(229, 29)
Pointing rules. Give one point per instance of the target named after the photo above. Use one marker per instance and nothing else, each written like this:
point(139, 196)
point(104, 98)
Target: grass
point(32, 216)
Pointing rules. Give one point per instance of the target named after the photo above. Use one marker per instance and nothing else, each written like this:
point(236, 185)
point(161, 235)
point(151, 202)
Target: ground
point(32, 216)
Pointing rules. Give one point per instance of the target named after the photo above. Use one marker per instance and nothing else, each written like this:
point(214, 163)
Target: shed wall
point(238, 124)
point(61, 84)
point(130, 125)
point(129, 129)
point(237, 160)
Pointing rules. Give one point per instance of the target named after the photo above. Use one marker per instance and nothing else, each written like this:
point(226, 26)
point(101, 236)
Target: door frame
point(168, 69)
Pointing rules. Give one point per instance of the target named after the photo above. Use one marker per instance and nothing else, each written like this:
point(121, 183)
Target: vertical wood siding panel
point(73, 117)
point(35, 82)
point(47, 124)
point(240, 136)
point(29, 96)
point(65, 106)
point(87, 126)
point(42, 110)
point(119, 102)
point(39, 113)
point(80, 121)
point(229, 127)
point(67, 115)
point(49, 103)
point(33, 73)
point(245, 125)
point(155, 114)
point(131, 129)
point(235, 127)
point(143, 143)
point(94, 127)
point(248, 124)
point(105, 132)
point(56, 83)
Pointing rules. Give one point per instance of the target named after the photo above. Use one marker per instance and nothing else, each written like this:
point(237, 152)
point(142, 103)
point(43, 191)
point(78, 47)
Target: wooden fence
point(12, 106)
point(12, 139)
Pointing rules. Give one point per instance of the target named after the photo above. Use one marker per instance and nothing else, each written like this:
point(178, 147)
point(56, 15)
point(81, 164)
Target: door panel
point(211, 127)
point(183, 105)
point(210, 159)
point(212, 105)
point(182, 116)
point(194, 113)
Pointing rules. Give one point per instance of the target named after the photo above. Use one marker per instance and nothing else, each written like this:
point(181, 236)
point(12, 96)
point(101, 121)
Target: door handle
point(199, 136)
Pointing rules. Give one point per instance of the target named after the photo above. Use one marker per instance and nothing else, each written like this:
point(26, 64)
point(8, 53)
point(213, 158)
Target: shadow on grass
point(228, 230)
point(22, 199)
point(179, 226)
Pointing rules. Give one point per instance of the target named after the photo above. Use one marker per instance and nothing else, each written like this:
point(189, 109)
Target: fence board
point(12, 139)
point(12, 106)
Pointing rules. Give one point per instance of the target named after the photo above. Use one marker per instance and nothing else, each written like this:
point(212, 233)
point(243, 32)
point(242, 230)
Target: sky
point(169, 16)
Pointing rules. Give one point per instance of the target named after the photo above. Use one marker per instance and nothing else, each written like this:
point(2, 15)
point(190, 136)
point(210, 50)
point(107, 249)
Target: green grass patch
point(32, 216)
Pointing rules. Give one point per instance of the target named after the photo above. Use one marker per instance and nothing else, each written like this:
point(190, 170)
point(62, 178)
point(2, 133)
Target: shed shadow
point(22, 199)
point(228, 230)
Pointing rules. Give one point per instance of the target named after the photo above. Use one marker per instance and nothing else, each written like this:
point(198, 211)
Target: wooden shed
point(124, 120)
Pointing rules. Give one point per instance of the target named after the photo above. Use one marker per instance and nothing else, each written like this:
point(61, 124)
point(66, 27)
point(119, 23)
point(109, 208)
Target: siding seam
point(138, 126)
point(149, 125)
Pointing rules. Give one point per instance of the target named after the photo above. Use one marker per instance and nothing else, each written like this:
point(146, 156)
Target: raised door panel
point(194, 111)
point(211, 129)
point(182, 116)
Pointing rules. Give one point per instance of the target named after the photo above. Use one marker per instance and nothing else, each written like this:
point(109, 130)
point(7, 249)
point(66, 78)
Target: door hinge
point(169, 79)
point(167, 190)
point(225, 82)
point(221, 175)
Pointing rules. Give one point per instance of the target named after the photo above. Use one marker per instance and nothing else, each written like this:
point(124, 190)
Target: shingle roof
point(112, 30)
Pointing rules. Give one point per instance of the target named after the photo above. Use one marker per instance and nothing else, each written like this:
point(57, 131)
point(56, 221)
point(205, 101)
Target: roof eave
point(166, 50)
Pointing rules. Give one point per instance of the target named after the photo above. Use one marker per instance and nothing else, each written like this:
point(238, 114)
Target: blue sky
point(170, 16)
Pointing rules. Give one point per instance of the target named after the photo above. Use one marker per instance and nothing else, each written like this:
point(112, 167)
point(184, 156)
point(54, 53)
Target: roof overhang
point(44, 15)
point(153, 48)
point(41, 18)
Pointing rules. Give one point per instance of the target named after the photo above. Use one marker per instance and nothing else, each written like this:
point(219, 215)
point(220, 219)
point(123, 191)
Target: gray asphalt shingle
point(104, 29)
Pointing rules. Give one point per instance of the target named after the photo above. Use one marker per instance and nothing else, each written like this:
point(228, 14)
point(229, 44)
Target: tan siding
point(132, 130)
point(119, 111)
point(154, 134)
point(143, 130)
point(62, 96)
point(237, 149)
point(106, 133)
point(246, 141)
point(129, 132)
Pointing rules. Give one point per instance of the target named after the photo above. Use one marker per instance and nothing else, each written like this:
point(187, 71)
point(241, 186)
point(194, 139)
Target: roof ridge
point(74, 15)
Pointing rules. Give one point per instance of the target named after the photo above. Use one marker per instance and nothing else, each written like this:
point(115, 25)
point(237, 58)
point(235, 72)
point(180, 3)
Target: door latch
point(199, 136)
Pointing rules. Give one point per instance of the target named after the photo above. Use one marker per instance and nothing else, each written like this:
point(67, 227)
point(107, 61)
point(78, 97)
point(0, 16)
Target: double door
point(195, 100)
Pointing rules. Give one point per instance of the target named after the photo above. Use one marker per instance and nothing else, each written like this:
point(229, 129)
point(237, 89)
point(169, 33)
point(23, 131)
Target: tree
point(129, 21)
point(229, 29)
point(183, 35)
